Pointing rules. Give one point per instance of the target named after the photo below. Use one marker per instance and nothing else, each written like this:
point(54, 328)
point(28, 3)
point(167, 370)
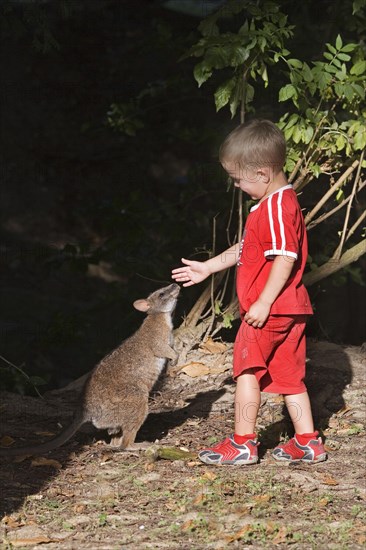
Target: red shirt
point(274, 227)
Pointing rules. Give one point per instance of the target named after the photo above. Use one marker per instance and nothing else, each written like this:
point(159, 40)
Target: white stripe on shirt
point(280, 220)
point(273, 234)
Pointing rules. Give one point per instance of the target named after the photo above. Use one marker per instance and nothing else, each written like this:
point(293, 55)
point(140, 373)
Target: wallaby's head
point(160, 301)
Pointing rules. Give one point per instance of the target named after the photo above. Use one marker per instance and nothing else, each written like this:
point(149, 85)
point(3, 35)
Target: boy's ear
point(141, 305)
point(265, 172)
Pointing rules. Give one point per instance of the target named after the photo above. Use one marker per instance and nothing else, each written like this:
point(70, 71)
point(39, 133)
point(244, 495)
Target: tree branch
point(338, 251)
point(331, 191)
point(323, 217)
point(332, 266)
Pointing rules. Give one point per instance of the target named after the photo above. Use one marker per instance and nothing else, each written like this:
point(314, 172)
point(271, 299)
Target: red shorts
point(276, 353)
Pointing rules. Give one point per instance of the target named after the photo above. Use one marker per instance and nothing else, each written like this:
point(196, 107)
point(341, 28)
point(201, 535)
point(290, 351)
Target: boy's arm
point(194, 272)
point(279, 275)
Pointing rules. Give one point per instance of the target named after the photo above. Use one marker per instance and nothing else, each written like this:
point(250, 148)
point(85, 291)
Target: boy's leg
point(299, 409)
point(247, 403)
point(305, 446)
point(241, 447)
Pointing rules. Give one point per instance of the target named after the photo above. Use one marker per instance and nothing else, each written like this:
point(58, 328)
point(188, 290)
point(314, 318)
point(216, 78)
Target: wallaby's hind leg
point(134, 416)
point(114, 431)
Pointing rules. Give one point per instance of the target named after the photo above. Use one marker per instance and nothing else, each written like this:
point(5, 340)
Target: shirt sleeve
point(277, 228)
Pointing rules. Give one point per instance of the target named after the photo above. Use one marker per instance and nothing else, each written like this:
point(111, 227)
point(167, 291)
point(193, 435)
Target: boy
point(269, 350)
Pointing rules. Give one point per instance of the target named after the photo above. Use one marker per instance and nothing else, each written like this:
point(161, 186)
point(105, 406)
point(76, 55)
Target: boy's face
point(252, 180)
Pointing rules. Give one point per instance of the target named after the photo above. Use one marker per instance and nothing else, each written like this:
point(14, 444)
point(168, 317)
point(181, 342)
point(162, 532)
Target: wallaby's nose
point(175, 287)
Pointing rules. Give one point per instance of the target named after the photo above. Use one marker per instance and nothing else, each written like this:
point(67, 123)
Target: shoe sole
point(229, 462)
point(320, 458)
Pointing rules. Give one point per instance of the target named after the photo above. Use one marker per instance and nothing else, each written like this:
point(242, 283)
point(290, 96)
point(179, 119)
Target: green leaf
point(295, 63)
point(306, 72)
point(297, 134)
point(309, 132)
point(316, 170)
point(360, 139)
point(287, 92)
point(339, 89)
point(208, 27)
point(292, 120)
point(348, 92)
point(217, 307)
point(201, 73)
point(340, 195)
point(344, 56)
point(223, 93)
point(357, 6)
point(339, 42)
point(227, 320)
point(331, 48)
point(360, 91)
point(328, 55)
point(264, 76)
point(340, 143)
point(359, 67)
point(349, 48)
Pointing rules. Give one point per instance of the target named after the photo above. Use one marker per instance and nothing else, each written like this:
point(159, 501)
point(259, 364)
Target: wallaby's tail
point(57, 441)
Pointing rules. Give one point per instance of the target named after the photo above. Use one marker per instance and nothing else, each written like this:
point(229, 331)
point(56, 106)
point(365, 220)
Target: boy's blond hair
point(256, 143)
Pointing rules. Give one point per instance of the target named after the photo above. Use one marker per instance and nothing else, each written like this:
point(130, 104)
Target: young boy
point(269, 350)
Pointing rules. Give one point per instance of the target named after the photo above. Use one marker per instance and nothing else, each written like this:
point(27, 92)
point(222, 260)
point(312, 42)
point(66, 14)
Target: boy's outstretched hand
point(192, 273)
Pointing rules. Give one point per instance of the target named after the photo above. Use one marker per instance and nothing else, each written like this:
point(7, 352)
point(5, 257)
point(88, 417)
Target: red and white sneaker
point(292, 451)
point(229, 452)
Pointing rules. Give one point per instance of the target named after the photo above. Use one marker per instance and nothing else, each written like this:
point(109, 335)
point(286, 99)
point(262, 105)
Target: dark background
point(93, 218)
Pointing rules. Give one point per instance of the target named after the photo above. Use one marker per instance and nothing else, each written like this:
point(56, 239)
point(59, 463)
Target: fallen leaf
point(239, 534)
point(45, 434)
point(79, 508)
point(188, 524)
point(213, 346)
point(281, 536)
point(106, 457)
point(328, 480)
point(211, 476)
point(262, 498)
point(42, 461)
point(219, 370)
point(6, 441)
point(12, 522)
point(21, 458)
point(200, 499)
point(345, 409)
point(195, 369)
point(323, 502)
point(31, 542)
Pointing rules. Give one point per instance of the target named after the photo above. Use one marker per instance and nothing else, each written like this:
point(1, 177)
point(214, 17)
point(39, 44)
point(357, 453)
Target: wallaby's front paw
point(173, 362)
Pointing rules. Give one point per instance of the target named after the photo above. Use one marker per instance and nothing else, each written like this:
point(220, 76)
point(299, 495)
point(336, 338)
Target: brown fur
point(115, 396)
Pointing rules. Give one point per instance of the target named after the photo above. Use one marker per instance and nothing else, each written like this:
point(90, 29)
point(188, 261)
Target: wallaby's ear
point(141, 305)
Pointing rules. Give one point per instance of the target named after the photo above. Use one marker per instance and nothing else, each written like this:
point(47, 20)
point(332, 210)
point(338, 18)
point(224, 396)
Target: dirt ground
point(84, 495)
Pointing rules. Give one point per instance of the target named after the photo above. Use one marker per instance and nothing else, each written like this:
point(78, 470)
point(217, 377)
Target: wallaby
point(115, 395)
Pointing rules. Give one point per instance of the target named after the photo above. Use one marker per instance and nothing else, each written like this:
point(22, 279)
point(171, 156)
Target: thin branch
point(338, 252)
point(230, 218)
point(331, 191)
point(332, 266)
point(323, 217)
point(355, 225)
point(23, 374)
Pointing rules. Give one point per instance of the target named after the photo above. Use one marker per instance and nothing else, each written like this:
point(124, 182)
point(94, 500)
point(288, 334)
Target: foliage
point(330, 116)
point(249, 52)
point(325, 129)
